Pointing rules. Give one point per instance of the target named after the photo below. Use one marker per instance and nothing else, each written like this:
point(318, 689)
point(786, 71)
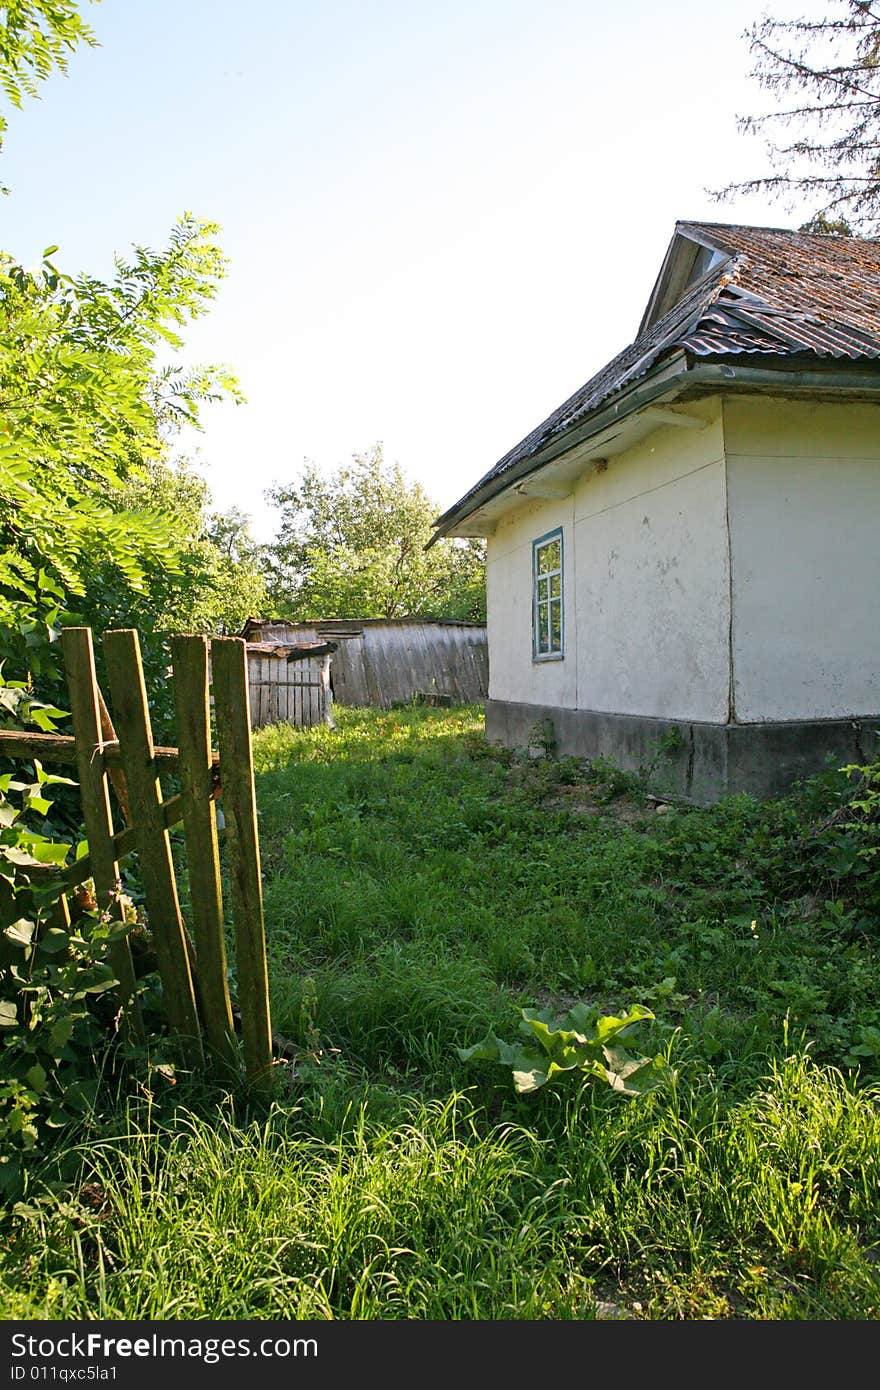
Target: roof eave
point(689, 377)
point(661, 382)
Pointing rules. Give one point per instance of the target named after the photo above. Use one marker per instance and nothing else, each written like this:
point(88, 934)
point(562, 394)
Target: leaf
point(8, 1014)
point(582, 1018)
point(59, 1034)
point(43, 721)
point(51, 779)
point(81, 1095)
point(633, 1076)
point(528, 1066)
point(572, 1050)
point(20, 857)
point(36, 1078)
point(20, 933)
point(485, 1051)
point(25, 1212)
point(609, 1027)
point(100, 986)
point(527, 1081)
point(54, 940)
point(47, 851)
point(551, 1037)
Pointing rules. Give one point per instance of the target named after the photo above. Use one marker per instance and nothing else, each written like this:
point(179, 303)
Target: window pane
point(543, 589)
point(556, 626)
point(543, 629)
point(549, 556)
point(556, 586)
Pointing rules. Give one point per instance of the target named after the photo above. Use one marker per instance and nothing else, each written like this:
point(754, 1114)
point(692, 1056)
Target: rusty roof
point(768, 292)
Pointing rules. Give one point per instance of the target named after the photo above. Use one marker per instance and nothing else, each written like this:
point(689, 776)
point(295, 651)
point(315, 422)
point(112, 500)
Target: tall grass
point(419, 891)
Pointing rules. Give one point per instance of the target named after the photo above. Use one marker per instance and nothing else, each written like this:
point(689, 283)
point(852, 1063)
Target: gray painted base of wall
point(710, 761)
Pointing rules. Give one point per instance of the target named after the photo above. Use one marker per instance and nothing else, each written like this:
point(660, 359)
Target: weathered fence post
point(231, 711)
point(191, 699)
point(132, 718)
point(85, 707)
point(195, 986)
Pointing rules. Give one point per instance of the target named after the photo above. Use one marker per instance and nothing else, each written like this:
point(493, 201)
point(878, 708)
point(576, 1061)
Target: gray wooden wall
point(385, 663)
point(297, 692)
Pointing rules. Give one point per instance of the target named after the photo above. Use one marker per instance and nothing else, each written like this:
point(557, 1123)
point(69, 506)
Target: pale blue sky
point(441, 218)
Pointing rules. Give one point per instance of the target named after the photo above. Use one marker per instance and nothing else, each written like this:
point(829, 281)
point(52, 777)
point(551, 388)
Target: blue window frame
point(548, 625)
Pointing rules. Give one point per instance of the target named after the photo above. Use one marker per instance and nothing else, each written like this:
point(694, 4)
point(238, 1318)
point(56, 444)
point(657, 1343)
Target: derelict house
point(689, 544)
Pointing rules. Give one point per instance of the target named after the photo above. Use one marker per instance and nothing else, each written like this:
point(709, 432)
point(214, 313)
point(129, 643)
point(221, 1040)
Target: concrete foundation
point(700, 762)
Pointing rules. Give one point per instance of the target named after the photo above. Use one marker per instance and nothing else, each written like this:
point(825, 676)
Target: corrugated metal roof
point(776, 292)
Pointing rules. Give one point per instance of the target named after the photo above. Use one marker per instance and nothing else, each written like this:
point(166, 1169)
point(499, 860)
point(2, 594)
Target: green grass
point(420, 889)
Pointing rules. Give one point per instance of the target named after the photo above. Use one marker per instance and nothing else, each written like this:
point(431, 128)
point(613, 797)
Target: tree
point(86, 408)
point(826, 75)
point(352, 545)
point(36, 38)
point(214, 583)
point(95, 525)
point(217, 581)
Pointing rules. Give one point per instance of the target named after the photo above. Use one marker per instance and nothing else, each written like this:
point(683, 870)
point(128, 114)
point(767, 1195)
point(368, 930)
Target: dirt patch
point(586, 800)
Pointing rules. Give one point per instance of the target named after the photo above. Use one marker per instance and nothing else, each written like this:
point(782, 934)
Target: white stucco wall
point(652, 577)
point(646, 585)
point(804, 490)
point(513, 675)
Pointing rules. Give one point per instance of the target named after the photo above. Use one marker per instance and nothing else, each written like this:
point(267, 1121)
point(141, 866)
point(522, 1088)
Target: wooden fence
point(389, 661)
point(120, 753)
point(290, 684)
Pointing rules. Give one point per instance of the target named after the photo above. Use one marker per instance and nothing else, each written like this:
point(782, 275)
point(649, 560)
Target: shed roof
point(253, 625)
point(726, 291)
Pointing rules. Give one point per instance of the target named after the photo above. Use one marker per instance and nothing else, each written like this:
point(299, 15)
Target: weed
point(420, 895)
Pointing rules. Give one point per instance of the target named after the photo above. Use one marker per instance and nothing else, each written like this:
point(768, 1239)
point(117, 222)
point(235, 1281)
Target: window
point(547, 630)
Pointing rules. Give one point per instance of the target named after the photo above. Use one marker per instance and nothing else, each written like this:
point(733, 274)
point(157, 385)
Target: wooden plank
point(49, 748)
point(229, 669)
point(189, 658)
point(132, 717)
point(116, 775)
point(79, 659)
point(124, 842)
point(326, 696)
point(59, 914)
point(254, 693)
point(61, 748)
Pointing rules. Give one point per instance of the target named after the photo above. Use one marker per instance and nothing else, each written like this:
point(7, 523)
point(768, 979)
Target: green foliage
point(216, 581)
point(36, 37)
point(822, 130)
point(865, 807)
point(425, 885)
point(584, 1041)
point(612, 781)
point(352, 545)
point(49, 973)
point(86, 408)
point(51, 1038)
point(417, 899)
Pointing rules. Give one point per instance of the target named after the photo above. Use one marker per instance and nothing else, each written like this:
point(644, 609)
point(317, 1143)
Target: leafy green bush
point(51, 972)
point(583, 1041)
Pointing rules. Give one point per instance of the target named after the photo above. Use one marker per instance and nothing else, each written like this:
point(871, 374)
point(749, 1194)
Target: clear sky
point(442, 218)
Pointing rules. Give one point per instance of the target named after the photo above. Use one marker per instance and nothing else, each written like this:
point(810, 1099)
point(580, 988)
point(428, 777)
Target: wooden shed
point(391, 661)
point(290, 683)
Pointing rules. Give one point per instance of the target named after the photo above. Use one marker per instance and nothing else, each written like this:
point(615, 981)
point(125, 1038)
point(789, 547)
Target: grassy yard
point(421, 889)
